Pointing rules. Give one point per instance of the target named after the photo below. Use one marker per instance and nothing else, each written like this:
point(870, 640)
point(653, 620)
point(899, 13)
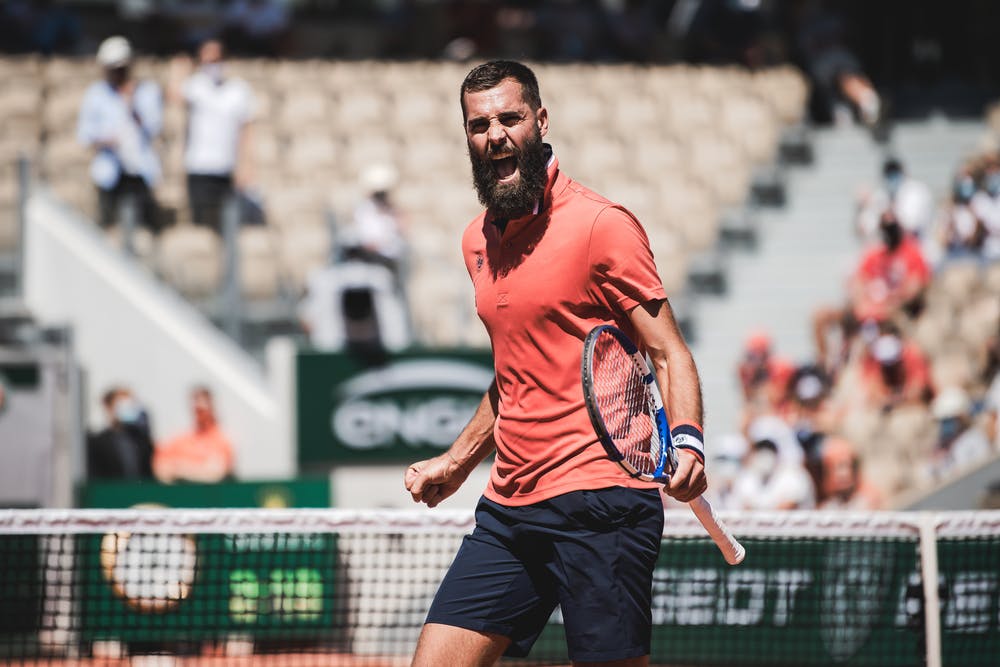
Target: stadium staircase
point(807, 248)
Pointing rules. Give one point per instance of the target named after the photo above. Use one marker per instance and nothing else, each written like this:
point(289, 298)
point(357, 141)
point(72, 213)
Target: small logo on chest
point(479, 262)
point(502, 299)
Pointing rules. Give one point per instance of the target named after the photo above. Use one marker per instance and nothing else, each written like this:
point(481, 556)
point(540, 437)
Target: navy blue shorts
point(591, 552)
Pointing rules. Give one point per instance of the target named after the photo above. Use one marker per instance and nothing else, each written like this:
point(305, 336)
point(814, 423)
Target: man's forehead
point(508, 92)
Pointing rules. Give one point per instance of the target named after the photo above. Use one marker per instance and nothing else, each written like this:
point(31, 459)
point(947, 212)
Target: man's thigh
point(489, 589)
point(604, 569)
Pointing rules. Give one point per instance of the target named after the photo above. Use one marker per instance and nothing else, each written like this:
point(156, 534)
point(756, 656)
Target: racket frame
point(731, 549)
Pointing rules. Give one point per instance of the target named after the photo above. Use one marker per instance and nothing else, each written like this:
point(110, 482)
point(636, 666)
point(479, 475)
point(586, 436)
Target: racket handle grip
point(731, 550)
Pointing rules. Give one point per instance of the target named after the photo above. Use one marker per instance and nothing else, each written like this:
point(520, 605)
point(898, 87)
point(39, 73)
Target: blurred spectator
point(119, 120)
point(769, 482)
point(842, 484)
point(991, 407)
point(203, 455)
point(3, 394)
point(124, 448)
point(961, 231)
point(256, 27)
point(842, 88)
point(894, 373)
point(960, 441)
point(985, 205)
point(809, 412)
point(910, 200)
point(776, 430)
point(217, 152)
point(763, 377)
point(725, 464)
point(890, 278)
point(375, 233)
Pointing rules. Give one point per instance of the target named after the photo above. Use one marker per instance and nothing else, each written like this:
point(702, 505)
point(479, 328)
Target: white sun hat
point(114, 52)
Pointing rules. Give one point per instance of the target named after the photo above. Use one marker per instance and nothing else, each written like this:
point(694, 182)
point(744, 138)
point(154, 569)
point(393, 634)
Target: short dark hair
point(199, 390)
point(892, 166)
point(491, 74)
point(109, 396)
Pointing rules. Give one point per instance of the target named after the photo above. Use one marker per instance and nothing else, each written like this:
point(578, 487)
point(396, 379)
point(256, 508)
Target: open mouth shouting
point(505, 167)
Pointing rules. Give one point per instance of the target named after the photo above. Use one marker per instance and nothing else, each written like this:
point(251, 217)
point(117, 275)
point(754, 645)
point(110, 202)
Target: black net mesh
point(334, 588)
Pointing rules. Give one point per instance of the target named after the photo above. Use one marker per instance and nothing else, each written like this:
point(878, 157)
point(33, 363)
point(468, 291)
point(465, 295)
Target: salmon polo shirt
point(542, 282)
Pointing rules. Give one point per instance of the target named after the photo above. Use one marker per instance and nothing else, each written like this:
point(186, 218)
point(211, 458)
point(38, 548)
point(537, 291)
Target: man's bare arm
point(432, 480)
point(679, 384)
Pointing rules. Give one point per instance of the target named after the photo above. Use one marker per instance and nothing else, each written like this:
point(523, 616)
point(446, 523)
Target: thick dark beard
point(518, 199)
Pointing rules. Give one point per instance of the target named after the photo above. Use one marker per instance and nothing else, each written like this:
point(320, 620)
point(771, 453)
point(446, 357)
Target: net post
point(929, 576)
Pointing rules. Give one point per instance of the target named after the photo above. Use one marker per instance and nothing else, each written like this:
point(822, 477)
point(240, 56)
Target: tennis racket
point(627, 413)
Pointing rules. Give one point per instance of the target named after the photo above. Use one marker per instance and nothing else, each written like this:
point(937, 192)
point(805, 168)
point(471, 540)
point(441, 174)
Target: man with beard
point(559, 522)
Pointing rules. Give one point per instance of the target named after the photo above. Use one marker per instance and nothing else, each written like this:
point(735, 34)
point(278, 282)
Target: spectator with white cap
point(119, 120)
point(895, 372)
point(960, 441)
point(376, 230)
point(220, 110)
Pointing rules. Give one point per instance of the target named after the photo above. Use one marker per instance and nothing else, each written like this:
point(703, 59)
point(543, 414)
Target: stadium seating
point(657, 139)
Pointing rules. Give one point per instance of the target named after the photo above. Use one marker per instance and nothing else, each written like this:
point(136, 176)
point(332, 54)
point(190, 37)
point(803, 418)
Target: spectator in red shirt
point(203, 455)
point(891, 276)
point(895, 372)
point(764, 377)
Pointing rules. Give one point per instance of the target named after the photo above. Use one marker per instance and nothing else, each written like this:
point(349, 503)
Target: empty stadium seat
point(190, 259)
point(260, 269)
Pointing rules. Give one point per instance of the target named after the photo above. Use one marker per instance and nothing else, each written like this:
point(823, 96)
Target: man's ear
point(542, 118)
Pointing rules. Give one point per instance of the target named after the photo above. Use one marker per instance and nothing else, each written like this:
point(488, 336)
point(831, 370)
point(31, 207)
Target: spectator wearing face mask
point(124, 448)
point(985, 205)
point(910, 201)
point(217, 153)
point(962, 232)
point(120, 118)
point(890, 279)
point(894, 373)
point(960, 442)
point(769, 481)
point(891, 276)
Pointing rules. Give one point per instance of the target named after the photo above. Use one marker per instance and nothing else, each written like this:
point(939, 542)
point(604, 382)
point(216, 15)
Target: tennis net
point(339, 588)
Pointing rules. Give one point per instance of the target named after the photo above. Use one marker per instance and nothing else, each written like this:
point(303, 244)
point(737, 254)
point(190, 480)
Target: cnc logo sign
point(417, 403)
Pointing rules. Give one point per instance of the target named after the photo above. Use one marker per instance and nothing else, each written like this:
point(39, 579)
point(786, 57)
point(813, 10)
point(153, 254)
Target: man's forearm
point(475, 442)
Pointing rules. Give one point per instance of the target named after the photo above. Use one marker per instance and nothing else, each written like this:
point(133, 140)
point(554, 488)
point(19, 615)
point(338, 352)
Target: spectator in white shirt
point(375, 234)
point(768, 482)
point(909, 199)
point(217, 155)
point(985, 205)
point(119, 119)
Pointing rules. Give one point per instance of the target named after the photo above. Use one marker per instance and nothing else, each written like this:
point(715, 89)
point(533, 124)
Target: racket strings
point(624, 401)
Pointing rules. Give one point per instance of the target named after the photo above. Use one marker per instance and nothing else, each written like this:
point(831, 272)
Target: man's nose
point(497, 135)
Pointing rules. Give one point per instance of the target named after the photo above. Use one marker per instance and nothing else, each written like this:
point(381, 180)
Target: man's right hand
point(432, 480)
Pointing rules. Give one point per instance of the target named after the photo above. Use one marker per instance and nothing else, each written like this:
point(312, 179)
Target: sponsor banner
point(412, 406)
point(303, 492)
